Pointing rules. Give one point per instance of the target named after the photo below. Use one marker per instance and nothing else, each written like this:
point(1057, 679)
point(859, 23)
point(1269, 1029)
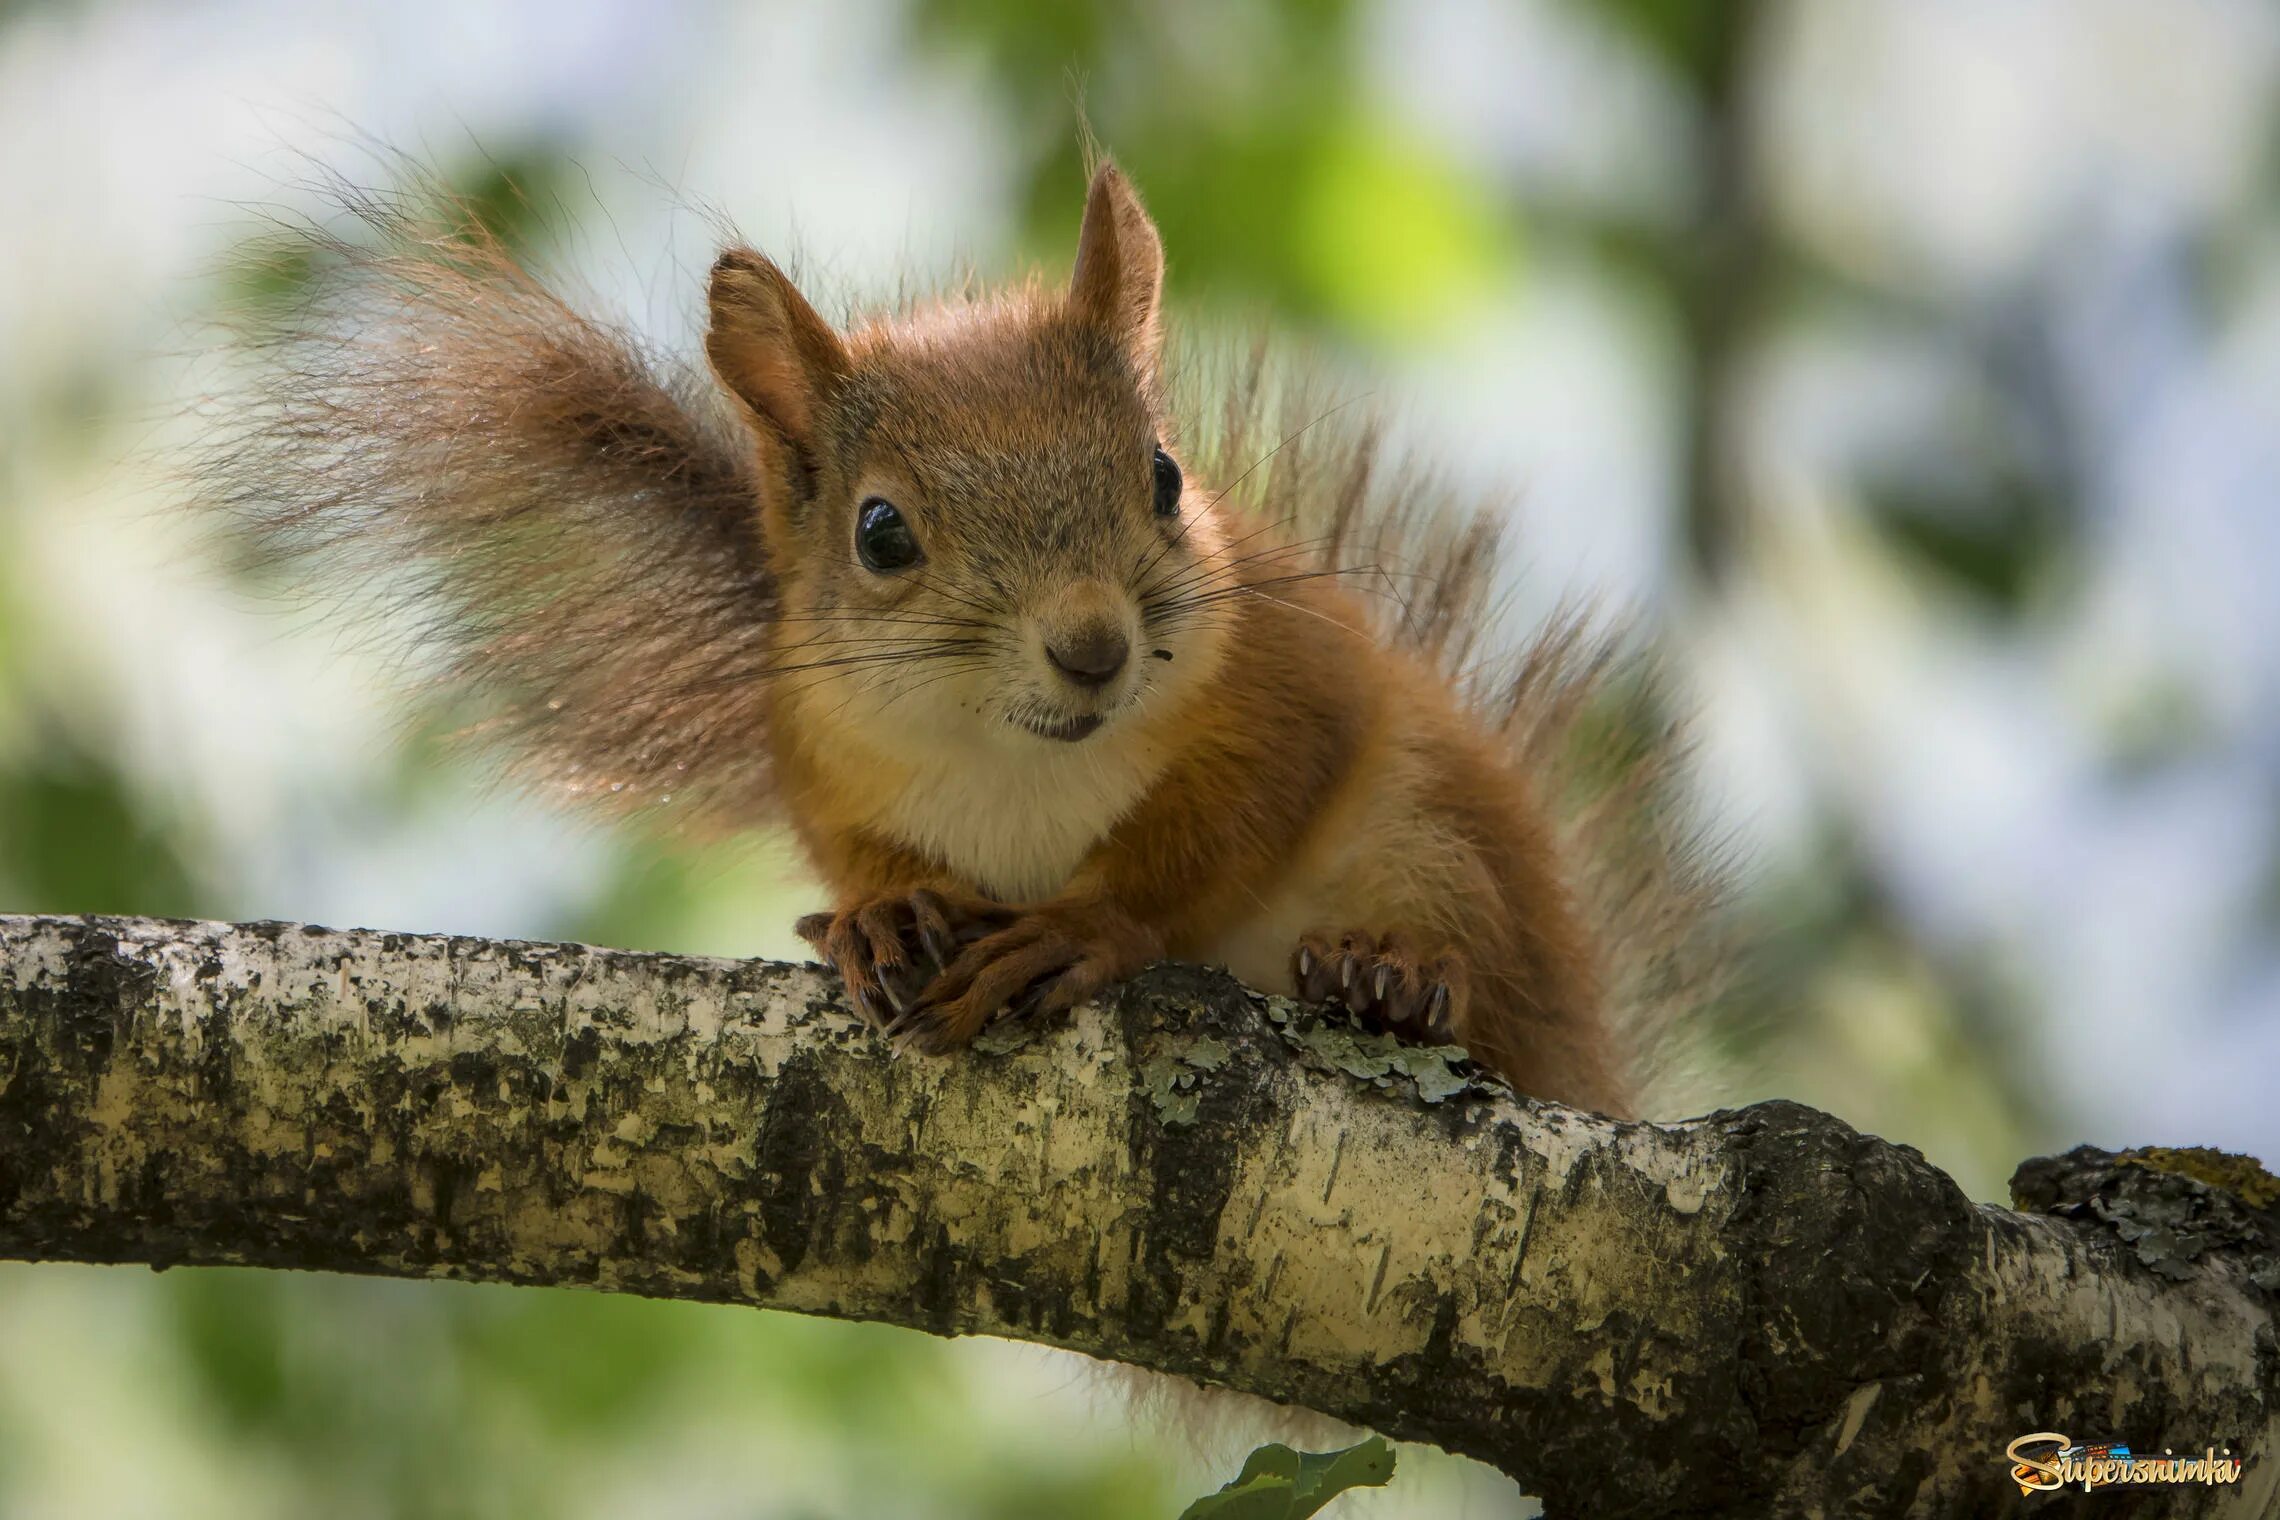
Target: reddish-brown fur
point(1303, 768)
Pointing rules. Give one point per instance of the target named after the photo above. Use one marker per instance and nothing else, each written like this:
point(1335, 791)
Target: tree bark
point(1756, 1312)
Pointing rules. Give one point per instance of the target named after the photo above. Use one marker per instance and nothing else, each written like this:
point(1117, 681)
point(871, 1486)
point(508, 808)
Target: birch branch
point(1756, 1312)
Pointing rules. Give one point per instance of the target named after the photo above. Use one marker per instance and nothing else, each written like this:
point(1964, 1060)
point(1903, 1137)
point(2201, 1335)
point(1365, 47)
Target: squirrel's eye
point(1167, 485)
point(883, 541)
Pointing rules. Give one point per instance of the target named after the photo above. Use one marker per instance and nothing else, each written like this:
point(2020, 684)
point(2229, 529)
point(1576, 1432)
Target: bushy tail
point(1579, 698)
point(1586, 710)
point(559, 520)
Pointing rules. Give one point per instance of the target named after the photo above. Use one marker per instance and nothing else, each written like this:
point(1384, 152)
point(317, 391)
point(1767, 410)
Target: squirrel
point(1051, 672)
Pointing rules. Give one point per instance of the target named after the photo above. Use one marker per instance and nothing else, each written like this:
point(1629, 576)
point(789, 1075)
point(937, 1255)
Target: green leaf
point(1277, 1483)
point(1324, 1475)
point(1266, 1497)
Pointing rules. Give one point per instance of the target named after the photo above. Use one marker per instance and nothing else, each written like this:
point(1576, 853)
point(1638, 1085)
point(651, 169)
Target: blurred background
point(1914, 364)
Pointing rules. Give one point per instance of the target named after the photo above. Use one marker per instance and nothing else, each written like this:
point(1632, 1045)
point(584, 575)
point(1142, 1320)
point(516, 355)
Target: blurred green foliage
point(1276, 183)
point(507, 1396)
point(80, 840)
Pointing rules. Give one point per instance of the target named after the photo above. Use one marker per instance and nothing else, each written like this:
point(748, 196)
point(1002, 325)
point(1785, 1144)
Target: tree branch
point(1755, 1312)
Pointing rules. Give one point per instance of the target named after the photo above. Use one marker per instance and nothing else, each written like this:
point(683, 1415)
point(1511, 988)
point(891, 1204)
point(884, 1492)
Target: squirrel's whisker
point(1218, 568)
point(1248, 470)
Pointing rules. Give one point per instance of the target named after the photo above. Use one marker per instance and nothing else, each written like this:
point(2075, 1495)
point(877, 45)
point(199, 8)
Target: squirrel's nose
point(1091, 657)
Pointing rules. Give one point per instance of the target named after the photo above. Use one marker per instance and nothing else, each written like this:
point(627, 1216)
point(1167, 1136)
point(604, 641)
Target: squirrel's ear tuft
point(769, 347)
point(1120, 266)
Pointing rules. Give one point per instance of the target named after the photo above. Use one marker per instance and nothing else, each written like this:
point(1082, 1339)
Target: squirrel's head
point(975, 512)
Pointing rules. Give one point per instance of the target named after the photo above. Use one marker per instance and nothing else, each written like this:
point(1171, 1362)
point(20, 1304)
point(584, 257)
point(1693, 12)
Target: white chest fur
point(1017, 819)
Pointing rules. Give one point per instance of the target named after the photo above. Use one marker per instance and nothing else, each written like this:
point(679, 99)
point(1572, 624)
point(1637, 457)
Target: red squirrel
point(1050, 674)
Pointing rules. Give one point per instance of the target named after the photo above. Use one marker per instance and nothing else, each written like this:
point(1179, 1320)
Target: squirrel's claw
point(1384, 983)
point(1045, 962)
point(1436, 1020)
point(881, 946)
point(930, 918)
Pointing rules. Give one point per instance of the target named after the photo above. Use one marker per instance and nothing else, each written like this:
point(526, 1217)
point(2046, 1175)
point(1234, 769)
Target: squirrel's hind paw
point(1385, 984)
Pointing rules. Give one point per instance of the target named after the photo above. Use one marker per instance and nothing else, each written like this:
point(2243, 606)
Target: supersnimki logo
point(2047, 1461)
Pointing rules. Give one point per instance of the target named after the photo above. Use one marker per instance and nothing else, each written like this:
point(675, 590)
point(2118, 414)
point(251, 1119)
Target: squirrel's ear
point(1120, 266)
point(769, 347)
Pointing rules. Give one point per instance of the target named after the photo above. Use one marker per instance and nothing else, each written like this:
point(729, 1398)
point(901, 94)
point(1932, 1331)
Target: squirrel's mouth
point(1067, 730)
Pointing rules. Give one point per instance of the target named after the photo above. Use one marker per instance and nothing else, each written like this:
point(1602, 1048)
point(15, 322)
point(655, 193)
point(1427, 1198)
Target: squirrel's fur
point(1305, 765)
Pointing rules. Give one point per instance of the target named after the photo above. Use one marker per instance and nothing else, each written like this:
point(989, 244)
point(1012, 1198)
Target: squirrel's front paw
point(1047, 960)
point(1385, 984)
point(886, 949)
